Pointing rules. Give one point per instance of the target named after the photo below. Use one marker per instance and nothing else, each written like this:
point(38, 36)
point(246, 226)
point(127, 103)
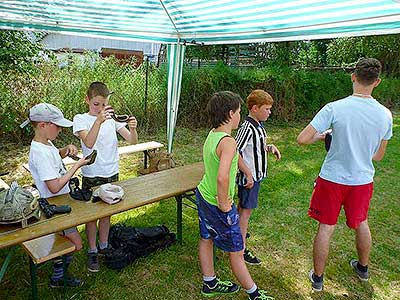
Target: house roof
point(204, 21)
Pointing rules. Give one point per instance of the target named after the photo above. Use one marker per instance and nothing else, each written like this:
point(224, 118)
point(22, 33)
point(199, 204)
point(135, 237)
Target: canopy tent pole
point(175, 55)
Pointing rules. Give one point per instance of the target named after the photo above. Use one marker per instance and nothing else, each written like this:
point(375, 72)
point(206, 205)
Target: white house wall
point(54, 41)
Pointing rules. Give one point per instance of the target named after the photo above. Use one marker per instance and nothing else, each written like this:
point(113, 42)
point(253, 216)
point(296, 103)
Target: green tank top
point(208, 185)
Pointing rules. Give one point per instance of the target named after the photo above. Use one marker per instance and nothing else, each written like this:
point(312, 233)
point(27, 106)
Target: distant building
point(121, 49)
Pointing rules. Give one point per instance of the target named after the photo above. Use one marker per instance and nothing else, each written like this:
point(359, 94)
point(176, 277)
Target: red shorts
point(328, 198)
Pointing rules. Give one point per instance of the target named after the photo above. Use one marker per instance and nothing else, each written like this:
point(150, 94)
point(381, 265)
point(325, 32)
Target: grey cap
point(45, 112)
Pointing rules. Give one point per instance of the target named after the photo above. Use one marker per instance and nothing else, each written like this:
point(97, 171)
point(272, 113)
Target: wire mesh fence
point(142, 91)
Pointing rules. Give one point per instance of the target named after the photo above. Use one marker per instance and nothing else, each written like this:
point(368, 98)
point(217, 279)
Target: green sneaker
point(262, 295)
point(250, 258)
point(220, 288)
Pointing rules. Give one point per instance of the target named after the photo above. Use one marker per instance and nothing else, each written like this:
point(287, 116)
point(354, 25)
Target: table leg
point(145, 155)
point(179, 218)
point(32, 268)
point(6, 262)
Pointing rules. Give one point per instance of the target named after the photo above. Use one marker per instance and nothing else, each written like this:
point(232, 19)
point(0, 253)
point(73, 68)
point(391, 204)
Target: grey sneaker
point(363, 276)
point(70, 282)
point(316, 286)
point(93, 262)
point(104, 252)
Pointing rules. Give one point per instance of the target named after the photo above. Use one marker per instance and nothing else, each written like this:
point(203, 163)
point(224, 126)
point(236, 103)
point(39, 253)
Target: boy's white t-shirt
point(106, 163)
point(46, 164)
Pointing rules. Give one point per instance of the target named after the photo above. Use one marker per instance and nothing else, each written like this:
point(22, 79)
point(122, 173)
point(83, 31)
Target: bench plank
point(3, 185)
point(139, 191)
point(48, 247)
point(121, 151)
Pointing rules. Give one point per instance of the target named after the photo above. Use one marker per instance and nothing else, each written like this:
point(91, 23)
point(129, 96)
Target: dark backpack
point(129, 243)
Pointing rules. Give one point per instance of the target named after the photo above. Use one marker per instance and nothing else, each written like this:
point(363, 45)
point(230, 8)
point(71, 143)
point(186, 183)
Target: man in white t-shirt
point(49, 173)
point(361, 128)
point(97, 130)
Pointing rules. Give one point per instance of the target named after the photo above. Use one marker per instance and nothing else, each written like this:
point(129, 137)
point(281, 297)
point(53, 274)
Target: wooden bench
point(142, 147)
point(44, 249)
point(3, 185)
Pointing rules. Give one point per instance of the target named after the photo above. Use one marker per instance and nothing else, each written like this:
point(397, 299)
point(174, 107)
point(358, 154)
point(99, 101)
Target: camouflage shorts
point(89, 182)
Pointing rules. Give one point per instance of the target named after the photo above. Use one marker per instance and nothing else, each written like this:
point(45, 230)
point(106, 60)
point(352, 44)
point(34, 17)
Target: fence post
point(146, 88)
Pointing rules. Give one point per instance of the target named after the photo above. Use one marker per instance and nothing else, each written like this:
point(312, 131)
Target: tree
point(386, 48)
point(18, 51)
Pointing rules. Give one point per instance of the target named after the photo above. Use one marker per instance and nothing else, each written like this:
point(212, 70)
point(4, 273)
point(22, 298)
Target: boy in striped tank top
point(251, 139)
point(218, 216)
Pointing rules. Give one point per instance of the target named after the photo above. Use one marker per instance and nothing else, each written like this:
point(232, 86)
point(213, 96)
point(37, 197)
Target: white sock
point(209, 278)
point(252, 289)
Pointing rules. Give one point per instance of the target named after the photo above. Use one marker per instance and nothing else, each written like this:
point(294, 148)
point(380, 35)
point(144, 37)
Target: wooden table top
point(139, 191)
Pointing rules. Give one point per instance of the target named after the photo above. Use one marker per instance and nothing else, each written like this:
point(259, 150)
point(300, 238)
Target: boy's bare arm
point(89, 137)
point(309, 135)
point(55, 185)
point(130, 135)
point(246, 170)
point(271, 148)
point(226, 150)
point(381, 151)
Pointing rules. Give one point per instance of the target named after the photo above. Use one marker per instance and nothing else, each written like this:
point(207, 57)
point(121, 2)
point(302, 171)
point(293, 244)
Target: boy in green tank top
point(218, 216)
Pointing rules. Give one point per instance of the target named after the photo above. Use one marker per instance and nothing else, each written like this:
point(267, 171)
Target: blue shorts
point(221, 227)
point(248, 198)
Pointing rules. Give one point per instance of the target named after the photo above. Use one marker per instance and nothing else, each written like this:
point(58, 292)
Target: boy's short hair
point(97, 89)
point(34, 124)
point(368, 70)
point(259, 98)
point(219, 106)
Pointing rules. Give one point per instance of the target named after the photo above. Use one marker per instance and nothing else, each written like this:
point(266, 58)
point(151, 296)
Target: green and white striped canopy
point(211, 22)
point(208, 21)
point(202, 21)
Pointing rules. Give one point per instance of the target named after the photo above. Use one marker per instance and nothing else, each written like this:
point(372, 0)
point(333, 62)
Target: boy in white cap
point(49, 173)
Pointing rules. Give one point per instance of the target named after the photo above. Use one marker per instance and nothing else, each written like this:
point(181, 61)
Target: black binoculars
point(51, 209)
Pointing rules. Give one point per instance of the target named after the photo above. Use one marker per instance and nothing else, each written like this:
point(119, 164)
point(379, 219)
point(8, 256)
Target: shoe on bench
point(363, 276)
point(220, 288)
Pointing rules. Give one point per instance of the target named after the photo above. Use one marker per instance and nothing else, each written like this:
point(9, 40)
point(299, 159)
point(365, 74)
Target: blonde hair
point(259, 98)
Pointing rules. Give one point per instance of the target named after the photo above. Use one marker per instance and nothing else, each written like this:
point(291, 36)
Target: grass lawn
point(281, 234)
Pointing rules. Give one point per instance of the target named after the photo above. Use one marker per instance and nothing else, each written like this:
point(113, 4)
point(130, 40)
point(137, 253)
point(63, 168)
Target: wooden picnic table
point(139, 191)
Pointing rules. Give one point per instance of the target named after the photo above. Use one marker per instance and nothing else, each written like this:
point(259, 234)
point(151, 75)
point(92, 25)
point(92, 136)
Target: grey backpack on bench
point(18, 205)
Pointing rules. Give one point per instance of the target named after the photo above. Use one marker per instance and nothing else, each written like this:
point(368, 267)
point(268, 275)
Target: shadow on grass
point(350, 292)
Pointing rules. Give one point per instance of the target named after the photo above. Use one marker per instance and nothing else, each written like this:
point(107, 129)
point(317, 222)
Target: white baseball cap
point(46, 112)
point(109, 193)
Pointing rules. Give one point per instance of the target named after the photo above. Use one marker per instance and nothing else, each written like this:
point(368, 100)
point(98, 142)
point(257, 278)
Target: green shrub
point(298, 93)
